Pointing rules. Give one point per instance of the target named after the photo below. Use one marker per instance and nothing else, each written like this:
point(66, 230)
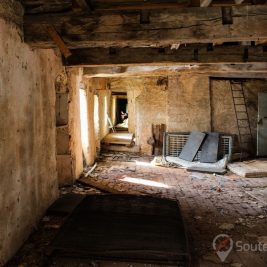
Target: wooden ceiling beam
point(247, 70)
point(205, 3)
point(83, 4)
point(166, 27)
point(143, 6)
point(150, 56)
point(57, 6)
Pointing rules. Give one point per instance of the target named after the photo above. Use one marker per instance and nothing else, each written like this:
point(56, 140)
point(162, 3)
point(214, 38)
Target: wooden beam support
point(143, 6)
point(238, 2)
point(58, 41)
point(57, 6)
point(205, 3)
point(166, 27)
point(245, 70)
point(83, 4)
point(168, 56)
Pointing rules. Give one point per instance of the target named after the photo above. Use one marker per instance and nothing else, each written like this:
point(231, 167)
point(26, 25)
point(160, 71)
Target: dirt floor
point(211, 205)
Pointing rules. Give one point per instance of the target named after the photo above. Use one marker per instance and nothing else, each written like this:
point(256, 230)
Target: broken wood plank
point(192, 146)
point(173, 26)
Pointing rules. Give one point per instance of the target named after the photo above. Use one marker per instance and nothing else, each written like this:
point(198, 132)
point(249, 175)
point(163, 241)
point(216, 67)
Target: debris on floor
point(208, 203)
point(227, 226)
point(249, 169)
point(218, 167)
point(119, 139)
point(192, 146)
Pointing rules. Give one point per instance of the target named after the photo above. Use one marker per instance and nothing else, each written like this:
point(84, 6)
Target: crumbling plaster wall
point(188, 103)
point(151, 108)
point(147, 105)
point(28, 175)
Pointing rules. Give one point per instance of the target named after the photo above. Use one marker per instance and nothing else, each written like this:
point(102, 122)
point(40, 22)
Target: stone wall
point(223, 112)
point(28, 183)
point(190, 102)
point(147, 105)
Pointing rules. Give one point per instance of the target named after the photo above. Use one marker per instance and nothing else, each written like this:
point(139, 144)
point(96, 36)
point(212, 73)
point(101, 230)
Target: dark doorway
point(122, 107)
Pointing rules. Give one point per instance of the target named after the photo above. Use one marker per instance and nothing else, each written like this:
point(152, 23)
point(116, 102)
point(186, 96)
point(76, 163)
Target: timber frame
point(166, 27)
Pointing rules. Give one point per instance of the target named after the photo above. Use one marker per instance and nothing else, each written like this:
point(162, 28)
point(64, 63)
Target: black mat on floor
point(124, 227)
point(65, 205)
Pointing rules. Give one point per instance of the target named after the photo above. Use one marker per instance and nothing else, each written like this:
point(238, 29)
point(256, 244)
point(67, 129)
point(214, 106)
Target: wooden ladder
point(241, 113)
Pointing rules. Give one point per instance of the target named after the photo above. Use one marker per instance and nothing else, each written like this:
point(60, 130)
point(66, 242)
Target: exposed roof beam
point(57, 6)
point(143, 6)
point(257, 70)
point(83, 4)
point(151, 56)
point(185, 26)
point(238, 2)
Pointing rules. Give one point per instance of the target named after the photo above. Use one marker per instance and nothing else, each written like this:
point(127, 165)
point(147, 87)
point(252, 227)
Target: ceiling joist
point(257, 70)
point(183, 26)
point(45, 6)
point(150, 56)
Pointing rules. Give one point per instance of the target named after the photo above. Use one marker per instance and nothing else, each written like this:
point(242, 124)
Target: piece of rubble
point(262, 239)
point(227, 226)
point(236, 264)
point(46, 219)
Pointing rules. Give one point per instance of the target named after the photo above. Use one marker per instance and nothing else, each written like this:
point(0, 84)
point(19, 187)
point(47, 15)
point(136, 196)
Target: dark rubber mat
point(65, 205)
point(124, 227)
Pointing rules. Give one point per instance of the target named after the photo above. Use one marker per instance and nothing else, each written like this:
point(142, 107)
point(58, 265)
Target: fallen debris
point(91, 170)
point(260, 195)
point(227, 226)
point(262, 239)
point(218, 167)
point(236, 264)
point(249, 169)
point(192, 146)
